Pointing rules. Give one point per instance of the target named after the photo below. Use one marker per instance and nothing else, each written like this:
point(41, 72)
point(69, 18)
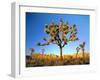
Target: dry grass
point(54, 60)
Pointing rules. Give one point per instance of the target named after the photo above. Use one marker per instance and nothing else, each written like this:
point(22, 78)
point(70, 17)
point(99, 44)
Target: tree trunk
point(83, 56)
point(76, 55)
point(61, 57)
point(42, 55)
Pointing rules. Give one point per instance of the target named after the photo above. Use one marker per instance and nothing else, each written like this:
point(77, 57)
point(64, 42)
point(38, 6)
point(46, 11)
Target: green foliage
point(82, 45)
point(58, 34)
point(77, 49)
point(32, 50)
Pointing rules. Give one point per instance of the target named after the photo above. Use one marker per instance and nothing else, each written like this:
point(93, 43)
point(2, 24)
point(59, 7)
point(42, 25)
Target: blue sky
point(35, 24)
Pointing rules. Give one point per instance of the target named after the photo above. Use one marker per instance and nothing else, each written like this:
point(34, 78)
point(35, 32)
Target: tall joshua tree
point(59, 35)
point(77, 49)
point(82, 46)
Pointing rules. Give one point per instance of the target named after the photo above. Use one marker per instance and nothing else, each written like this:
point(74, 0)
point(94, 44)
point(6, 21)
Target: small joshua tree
point(77, 49)
point(31, 52)
point(59, 35)
point(43, 50)
point(82, 46)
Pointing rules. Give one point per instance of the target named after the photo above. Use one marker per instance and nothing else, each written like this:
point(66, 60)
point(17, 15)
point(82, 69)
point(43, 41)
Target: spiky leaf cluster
point(82, 46)
point(77, 49)
point(58, 34)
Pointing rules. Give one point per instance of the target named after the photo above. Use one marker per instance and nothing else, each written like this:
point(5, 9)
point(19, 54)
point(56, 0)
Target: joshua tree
point(43, 50)
point(77, 49)
point(31, 52)
point(82, 46)
point(59, 35)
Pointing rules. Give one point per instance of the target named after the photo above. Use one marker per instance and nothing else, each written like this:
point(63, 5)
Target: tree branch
point(64, 45)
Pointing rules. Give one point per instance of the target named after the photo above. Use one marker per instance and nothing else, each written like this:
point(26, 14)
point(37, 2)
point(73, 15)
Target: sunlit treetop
point(58, 34)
